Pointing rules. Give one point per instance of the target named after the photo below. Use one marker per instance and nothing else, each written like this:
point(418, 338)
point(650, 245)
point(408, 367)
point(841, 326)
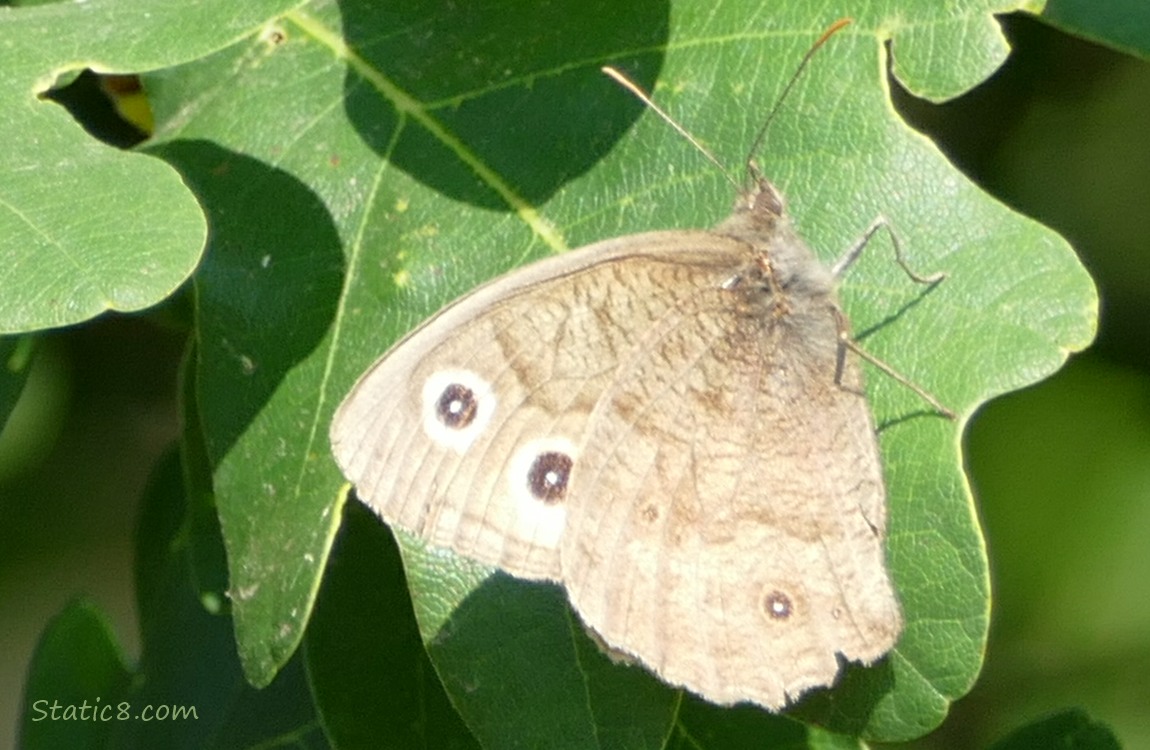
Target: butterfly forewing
point(445, 434)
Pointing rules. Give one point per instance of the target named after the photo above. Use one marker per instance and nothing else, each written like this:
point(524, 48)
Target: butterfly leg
point(847, 343)
point(854, 251)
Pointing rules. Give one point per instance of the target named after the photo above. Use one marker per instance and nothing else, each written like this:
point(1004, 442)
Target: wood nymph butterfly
point(672, 426)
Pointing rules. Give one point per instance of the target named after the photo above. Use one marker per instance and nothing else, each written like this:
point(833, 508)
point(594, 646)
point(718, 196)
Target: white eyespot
point(777, 605)
point(457, 407)
point(539, 475)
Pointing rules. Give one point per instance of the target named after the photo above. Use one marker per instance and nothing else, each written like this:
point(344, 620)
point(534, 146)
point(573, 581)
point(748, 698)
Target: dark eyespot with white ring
point(547, 477)
point(777, 605)
point(457, 406)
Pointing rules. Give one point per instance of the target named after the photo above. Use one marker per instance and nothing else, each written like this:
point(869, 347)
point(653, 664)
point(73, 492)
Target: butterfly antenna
point(631, 86)
point(790, 84)
point(634, 88)
point(758, 142)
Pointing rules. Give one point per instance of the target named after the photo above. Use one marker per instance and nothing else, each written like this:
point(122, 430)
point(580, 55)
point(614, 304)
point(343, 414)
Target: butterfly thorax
point(781, 260)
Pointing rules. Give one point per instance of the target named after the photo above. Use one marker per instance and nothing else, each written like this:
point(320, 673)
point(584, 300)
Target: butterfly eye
point(547, 477)
point(777, 605)
point(457, 406)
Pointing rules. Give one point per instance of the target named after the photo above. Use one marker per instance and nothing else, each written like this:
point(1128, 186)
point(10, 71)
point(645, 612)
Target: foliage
point(353, 167)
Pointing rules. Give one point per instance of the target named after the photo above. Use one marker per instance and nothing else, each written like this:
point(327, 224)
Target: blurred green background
point(1061, 471)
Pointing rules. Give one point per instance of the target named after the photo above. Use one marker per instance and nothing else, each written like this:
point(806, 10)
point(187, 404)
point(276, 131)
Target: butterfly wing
point(466, 432)
point(727, 519)
point(626, 420)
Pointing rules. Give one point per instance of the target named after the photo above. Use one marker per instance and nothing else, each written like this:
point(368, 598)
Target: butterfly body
point(664, 424)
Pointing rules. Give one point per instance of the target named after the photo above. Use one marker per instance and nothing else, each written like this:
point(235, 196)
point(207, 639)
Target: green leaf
point(188, 659)
point(1121, 24)
point(1069, 730)
point(373, 683)
point(702, 725)
point(418, 150)
point(505, 649)
point(86, 228)
point(75, 682)
point(281, 262)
